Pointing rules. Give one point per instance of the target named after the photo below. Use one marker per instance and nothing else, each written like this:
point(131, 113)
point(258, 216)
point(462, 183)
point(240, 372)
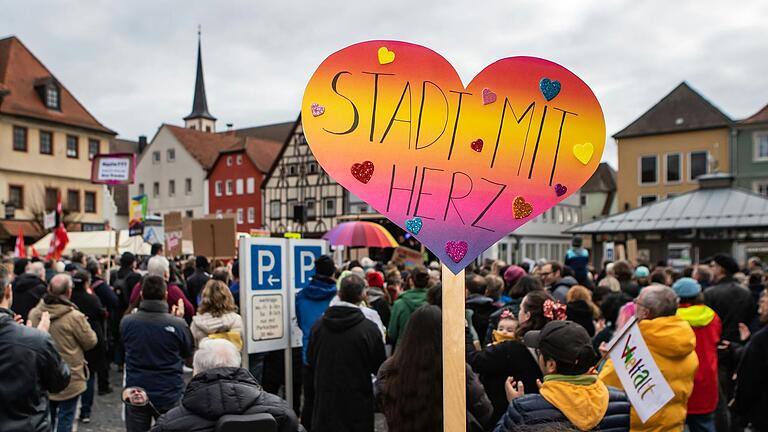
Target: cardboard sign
point(214, 238)
point(645, 385)
point(172, 222)
point(408, 257)
point(457, 167)
point(632, 251)
point(137, 213)
point(113, 169)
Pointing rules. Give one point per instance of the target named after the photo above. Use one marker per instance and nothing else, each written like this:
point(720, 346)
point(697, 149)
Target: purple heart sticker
point(456, 250)
point(560, 190)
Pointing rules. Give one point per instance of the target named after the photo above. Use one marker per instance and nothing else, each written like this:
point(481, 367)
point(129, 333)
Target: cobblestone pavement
point(107, 412)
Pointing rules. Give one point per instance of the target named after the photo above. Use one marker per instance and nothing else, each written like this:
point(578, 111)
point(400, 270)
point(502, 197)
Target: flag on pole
point(60, 238)
point(20, 251)
point(34, 253)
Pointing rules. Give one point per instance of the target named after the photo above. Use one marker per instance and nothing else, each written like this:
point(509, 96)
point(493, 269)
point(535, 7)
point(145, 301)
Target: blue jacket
point(578, 260)
point(311, 302)
point(156, 344)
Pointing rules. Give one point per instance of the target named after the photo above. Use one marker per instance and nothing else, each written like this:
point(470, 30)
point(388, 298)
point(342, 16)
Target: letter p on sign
point(266, 263)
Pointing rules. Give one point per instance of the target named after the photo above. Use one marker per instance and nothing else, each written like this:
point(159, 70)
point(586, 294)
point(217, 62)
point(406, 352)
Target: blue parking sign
point(304, 264)
point(266, 267)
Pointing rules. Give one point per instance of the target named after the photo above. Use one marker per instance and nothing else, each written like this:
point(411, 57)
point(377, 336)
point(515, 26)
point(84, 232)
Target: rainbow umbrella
point(360, 234)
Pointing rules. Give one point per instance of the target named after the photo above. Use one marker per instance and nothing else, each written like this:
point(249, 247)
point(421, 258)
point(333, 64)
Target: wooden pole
point(454, 363)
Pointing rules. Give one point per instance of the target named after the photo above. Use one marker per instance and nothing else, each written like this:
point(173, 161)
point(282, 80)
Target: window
point(218, 188)
point(575, 216)
point(20, 138)
point(239, 159)
point(251, 215)
point(52, 97)
point(530, 251)
point(250, 185)
point(329, 207)
point(141, 188)
point(567, 217)
point(51, 198)
point(674, 168)
point(554, 251)
point(761, 187)
point(16, 196)
point(189, 213)
point(698, 164)
point(583, 199)
point(229, 187)
point(93, 148)
point(73, 147)
point(239, 216)
point(292, 170)
point(229, 160)
point(647, 199)
point(290, 207)
point(171, 187)
point(219, 213)
point(311, 211)
point(648, 168)
point(170, 155)
point(544, 216)
point(46, 142)
point(90, 202)
point(761, 146)
point(155, 189)
point(73, 200)
point(312, 168)
point(274, 209)
point(188, 186)
point(239, 186)
point(207, 128)
point(156, 157)
point(559, 214)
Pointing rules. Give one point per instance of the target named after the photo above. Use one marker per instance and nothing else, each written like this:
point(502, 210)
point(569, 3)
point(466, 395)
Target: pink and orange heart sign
point(459, 167)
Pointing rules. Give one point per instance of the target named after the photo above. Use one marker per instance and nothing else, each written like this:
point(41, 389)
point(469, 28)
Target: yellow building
point(47, 141)
point(664, 151)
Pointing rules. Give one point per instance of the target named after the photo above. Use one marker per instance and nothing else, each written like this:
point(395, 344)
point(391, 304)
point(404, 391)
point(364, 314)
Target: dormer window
point(52, 97)
point(49, 91)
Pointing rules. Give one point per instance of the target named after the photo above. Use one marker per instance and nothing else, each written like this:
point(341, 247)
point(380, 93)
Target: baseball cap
point(642, 271)
point(564, 341)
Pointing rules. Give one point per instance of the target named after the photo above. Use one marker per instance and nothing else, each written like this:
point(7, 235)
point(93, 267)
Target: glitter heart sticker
point(489, 96)
point(362, 171)
point(521, 209)
point(549, 88)
point(414, 225)
point(317, 110)
point(477, 145)
point(456, 250)
point(560, 190)
point(386, 56)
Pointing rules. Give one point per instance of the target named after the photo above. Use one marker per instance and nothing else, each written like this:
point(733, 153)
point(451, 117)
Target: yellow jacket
point(672, 344)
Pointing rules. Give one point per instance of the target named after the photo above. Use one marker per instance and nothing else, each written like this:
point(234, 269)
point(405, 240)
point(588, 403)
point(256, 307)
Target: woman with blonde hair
point(217, 315)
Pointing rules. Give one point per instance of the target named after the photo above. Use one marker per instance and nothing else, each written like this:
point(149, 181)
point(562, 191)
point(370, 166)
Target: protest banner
point(645, 385)
point(137, 214)
point(408, 257)
point(113, 169)
point(172, 222)
point(214, 238)
point(457, 167)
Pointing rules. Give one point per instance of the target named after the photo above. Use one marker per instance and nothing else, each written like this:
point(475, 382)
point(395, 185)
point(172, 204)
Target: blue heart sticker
point(549, 88)
point(414, 225)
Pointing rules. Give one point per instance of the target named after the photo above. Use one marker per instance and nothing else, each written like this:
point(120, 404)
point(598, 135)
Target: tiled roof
point(603, 180)
point(262, 152)
point(204, 146)
point(683, 109)
point(758, 117)
point(19, 71)
point(273, 132)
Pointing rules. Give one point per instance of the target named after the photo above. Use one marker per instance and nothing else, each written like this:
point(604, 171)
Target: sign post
point(454, 358)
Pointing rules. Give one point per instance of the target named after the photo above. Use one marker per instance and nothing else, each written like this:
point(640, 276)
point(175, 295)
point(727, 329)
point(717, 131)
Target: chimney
point(142, 143)
point(230, 129)
point(715, 181)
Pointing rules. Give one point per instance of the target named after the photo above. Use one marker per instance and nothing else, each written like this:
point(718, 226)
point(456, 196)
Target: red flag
point(34, 253)
point(60, 238)
point(20, 251)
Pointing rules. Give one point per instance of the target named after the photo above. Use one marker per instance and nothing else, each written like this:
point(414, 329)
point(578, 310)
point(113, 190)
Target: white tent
point(102, 243)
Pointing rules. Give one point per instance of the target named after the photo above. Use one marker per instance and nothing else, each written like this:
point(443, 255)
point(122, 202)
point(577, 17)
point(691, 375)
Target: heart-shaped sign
point(396, 136)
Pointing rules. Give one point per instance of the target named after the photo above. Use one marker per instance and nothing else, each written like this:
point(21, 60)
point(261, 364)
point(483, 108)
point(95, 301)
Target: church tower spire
point(200, 118)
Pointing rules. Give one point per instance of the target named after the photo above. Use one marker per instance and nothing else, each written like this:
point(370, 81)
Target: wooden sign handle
point(454, 358)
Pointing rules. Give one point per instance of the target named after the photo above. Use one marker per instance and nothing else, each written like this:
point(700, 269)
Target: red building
point(234, 181)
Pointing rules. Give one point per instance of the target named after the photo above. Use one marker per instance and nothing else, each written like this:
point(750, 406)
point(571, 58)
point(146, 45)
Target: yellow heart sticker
point(386, 56)
point(583, 152)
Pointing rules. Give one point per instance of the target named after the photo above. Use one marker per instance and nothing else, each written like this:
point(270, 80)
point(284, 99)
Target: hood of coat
point(340, 318)
point(568, 281)
point(669, 336)
point(696, 315)
point(374, 294)
point(319, 288)
point(25, 282)
point(211, 324)
point(478, 299)
point(221, 391)
point(414, 297)
point(582, 399)
point(56, 307)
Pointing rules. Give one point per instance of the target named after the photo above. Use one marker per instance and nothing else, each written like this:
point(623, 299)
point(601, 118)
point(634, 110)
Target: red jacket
point(174, 294)
point(707, 327)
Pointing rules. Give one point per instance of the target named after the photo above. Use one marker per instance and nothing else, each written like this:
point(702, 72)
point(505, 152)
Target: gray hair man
point(178, 303)
point(672, 344)
point(221, 387)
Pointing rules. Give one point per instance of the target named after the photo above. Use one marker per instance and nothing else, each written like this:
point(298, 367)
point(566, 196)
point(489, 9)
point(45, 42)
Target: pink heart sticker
point(456, 250)
point(489, 96)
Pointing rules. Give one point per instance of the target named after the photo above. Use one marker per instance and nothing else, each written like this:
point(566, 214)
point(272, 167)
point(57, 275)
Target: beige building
point(664, 151)
point(47, 141)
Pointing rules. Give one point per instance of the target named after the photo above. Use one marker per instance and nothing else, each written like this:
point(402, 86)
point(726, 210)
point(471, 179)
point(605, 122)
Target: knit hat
point(375, 279)
point(642, 271)
point(513, 274)
point(726, 262)
point(686, 288)
point(324, 266)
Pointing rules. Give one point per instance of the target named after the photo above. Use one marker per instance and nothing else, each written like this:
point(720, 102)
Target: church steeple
point(200, 118)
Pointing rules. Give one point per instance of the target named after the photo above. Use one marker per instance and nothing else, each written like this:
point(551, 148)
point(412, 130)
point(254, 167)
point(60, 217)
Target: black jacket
point(91, 307)
point(221, 391)
point(122, 282)
point(30, 367)
point(196, 283)
point(533, 409)
point(28, 289)
point(106, 295)
point(751, 396)
point(497, 362)
point(378, 302)
point(732, 303)
point(482, 307)
point(345, 349)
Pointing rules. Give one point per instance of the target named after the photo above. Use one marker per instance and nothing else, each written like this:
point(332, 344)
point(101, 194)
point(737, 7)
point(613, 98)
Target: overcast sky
point(132, 63)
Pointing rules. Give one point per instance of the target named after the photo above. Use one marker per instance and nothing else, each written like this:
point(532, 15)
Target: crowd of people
point(537, 335)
